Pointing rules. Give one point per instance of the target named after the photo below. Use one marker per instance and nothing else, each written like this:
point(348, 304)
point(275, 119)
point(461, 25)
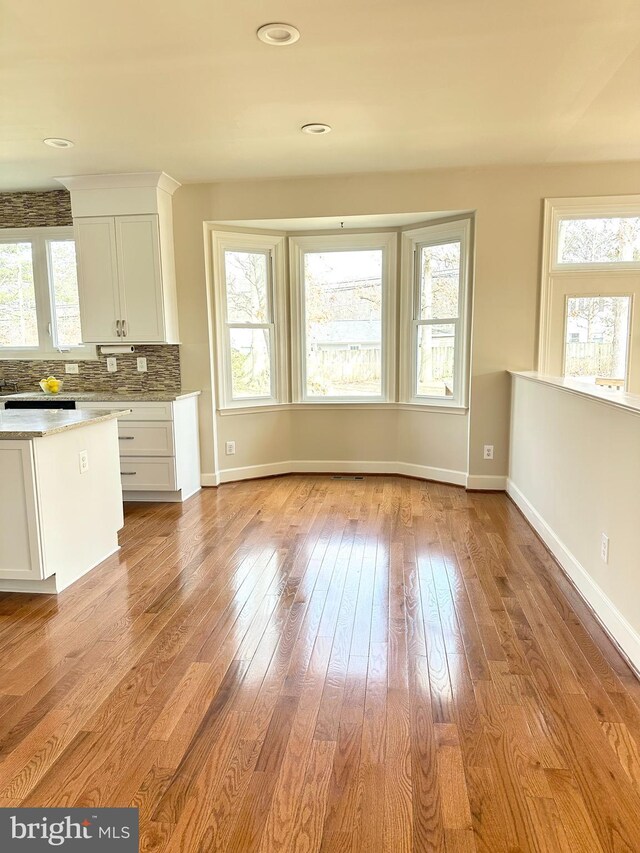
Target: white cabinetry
point(57, 521)
point(20, 555)
point(98, 278)
point(124, 296)
point(126, 269)
point(159, 453)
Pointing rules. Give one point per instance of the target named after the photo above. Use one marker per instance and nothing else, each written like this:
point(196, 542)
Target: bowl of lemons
point(51, 385)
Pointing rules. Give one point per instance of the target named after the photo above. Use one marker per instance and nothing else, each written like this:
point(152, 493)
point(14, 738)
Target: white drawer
point(140, 473)
point(146, 438)
point(140, 411)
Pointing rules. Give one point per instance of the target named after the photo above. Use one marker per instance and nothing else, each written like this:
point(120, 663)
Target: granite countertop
point(104, 396)
point(23, 424)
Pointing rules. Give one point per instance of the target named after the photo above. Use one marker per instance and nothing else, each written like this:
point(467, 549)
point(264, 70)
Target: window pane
point(597, 241)
point(343, 316)
point(250, 363)
point(18, 319)
point(434, 369)
point(597, 338)
point(439, 281)
point(246, 280)
point(64, 285)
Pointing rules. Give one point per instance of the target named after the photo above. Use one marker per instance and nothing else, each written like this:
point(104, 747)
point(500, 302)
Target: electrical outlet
point(142, 364)
point(604, 548)
point(488, 451)
point(230, 448)
point(71, 368)
point(84, 461)
point(112, 365)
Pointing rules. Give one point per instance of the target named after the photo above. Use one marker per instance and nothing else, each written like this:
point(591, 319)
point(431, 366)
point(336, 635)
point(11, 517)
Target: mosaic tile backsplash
point(163, 372)
point(35, 210)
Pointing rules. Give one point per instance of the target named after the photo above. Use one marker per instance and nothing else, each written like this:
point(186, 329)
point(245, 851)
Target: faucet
point(6, 385)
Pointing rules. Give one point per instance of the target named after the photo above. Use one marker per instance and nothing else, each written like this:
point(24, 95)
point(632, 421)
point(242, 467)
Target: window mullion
point(42, 289)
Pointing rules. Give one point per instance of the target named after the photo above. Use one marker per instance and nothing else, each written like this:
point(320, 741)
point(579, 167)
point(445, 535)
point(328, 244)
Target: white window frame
point(298, 247)
point(273, 247)
point(413, 241)
point(47, 349)
point(556, 210)
point(568, 296)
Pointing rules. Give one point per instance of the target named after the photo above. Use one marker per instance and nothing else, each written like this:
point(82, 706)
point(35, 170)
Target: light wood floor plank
point(310, 664)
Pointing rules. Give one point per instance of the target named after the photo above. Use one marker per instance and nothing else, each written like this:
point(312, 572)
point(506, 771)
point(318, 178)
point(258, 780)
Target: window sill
point(332, 406)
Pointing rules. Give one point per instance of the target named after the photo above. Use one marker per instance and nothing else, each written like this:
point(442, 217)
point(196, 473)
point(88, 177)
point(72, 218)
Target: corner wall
point(508, 205)
point(431, 445)
point(575, 468)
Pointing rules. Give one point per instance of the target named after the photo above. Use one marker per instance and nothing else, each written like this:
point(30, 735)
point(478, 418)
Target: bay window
point(250, 314)
point(434, 313)
point(324, 330)
point(342, 289)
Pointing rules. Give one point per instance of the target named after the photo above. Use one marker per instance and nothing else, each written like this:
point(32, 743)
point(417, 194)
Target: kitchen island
point(60, 496)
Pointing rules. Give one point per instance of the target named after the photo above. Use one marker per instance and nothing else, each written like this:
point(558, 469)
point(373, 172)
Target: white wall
point(429, 445)
point(574, 472)
point(508, 205)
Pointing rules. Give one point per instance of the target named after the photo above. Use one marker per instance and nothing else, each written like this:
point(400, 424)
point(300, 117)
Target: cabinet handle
point(124, 328)
point(128, 473)
point(126, 437)
point(118, 332)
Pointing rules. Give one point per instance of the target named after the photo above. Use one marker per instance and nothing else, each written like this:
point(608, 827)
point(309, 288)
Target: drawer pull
point(128, 473)
point(126, 437)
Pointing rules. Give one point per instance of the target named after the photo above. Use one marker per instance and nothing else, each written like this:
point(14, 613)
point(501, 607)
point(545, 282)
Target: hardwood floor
point(309, 664)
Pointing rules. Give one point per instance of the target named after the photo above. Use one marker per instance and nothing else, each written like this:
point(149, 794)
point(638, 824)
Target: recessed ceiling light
point(316, 129)
point(279, 34)
point(58, 142)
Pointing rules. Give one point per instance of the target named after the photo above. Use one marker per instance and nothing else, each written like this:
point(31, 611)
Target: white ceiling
point(406, 84)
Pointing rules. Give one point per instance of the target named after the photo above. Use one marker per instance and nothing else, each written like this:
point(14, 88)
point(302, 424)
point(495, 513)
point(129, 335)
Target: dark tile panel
point(35, 210)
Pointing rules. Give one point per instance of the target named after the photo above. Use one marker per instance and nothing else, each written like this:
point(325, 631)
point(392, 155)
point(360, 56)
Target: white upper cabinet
point(126, 272)
point(98, 278)
point(140, 278)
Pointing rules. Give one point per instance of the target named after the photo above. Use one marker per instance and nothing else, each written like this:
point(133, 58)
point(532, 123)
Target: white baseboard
point(614, 623)
point(153, 497)
point(338, 466)
point(253, 472)
point(209, 480)
point(490, 484)
point(427, 472)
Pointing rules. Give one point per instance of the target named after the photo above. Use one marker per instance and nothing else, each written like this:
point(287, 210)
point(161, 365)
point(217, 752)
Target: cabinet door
point(20, 555)
point(140, 278)
point(98, 279)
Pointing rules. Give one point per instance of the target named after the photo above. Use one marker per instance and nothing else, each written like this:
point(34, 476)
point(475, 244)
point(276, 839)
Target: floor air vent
point(347, 477)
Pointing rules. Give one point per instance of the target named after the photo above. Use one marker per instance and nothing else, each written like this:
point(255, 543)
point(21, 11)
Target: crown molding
point(127, 180)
